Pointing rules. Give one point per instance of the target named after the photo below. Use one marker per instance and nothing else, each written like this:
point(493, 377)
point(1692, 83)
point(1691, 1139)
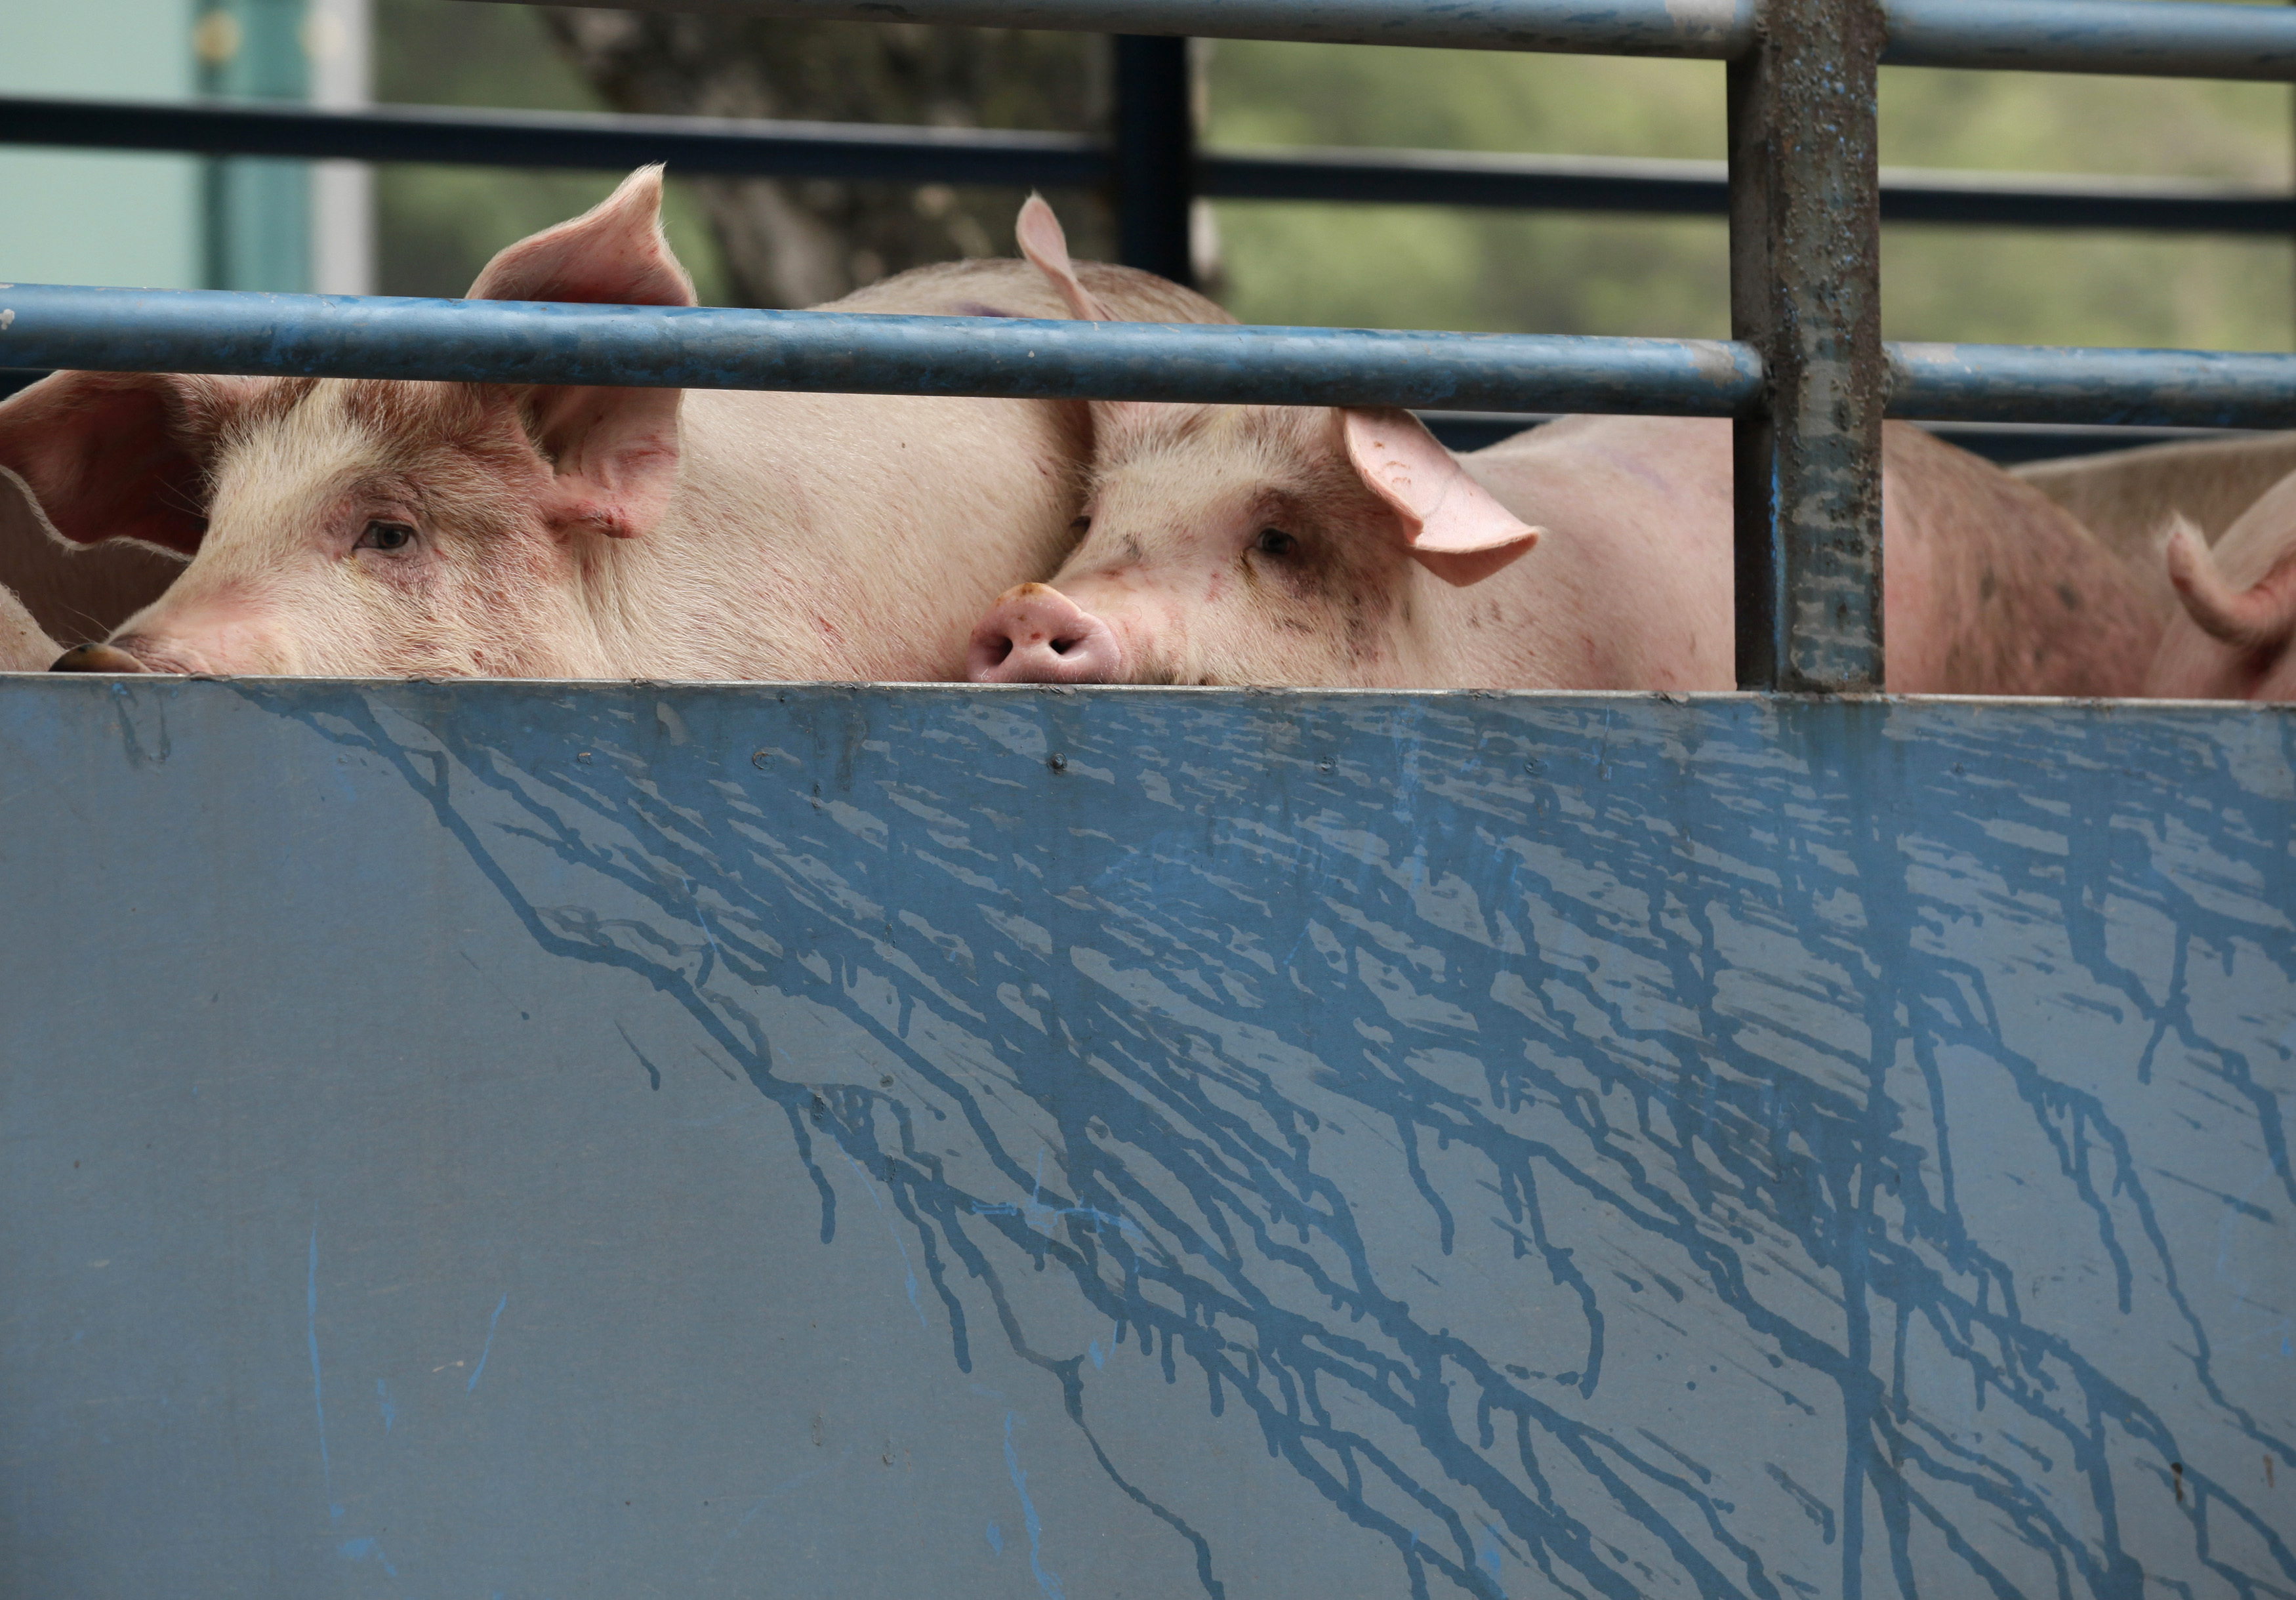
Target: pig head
point(1244, 545)
point(336, 526)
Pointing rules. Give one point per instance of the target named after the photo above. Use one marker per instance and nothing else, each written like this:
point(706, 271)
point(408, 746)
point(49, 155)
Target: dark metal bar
point(1806, 291)
point(1703, 189)
point(1707, 29)
point(2003, 443)
point(723, 146)
point(2148, 38)
point(492, 341)
point(1155, 155)
point(564, 139)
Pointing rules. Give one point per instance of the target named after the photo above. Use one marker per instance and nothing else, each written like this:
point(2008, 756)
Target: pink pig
point(1286, 545)
point(444, 529)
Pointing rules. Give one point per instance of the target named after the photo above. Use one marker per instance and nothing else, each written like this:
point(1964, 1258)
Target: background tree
point(799, 243)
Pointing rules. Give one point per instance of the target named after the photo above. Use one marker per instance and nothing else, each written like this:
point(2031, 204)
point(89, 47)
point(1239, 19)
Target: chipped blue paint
point(384, 1403)
point(1046, 1583)
point(488, 1348)
point(318, 1391)
point(1725, 1148)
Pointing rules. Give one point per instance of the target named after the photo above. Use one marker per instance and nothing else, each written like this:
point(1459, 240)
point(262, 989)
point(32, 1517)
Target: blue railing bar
point(2032, 383)
point(861, 152)
point(299, 335)
point(2148, 38)
point(293, 335)
point(2143, 39)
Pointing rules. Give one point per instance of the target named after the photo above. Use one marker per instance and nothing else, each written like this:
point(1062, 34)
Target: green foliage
point(437, 225)
point(1416, 267)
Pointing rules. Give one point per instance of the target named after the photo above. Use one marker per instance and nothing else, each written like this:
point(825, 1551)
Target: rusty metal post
point(1155, 154)
point(1805, 290)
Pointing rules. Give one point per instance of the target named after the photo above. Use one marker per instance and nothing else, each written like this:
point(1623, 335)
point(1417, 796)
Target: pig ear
point(613, 254)
point(614, 451)
point(1046, 246)
point(1452, 524)
point(119, 456)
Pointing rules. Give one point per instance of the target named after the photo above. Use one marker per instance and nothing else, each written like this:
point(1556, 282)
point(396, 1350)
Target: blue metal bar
point(303, 335)
point(2144, 39)
point(2025, 383)
point(490, 341)
point(600, 142)
point(2150, 39)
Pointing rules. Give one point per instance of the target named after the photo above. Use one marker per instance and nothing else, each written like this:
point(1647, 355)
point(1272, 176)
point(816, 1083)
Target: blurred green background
point(1412, 266)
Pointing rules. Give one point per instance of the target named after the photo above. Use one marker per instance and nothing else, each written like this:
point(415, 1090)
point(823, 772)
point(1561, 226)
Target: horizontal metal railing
point(1805, 383)
point(490, 341)
point(2146, 38)
point(730, 147)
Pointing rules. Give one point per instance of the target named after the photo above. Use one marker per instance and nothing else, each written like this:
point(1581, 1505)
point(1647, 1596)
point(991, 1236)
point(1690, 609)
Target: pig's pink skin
point(1034, 635)
point(1990, 589)
point(2235, 633)
point(24, 647)
point(575, 533)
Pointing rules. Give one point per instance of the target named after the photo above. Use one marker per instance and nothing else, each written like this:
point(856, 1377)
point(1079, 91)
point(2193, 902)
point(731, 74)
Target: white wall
point(69, 217)
point(342, 192)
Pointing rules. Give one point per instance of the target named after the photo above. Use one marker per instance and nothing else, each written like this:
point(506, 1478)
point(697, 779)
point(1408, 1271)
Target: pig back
point(1993, 589)
point(863, 534)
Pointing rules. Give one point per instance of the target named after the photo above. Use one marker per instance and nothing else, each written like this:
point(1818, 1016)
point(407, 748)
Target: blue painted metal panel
point(547, 1140)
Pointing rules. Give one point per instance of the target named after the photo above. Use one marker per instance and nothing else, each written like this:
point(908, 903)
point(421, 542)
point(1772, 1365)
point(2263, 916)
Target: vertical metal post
point(1805, 290)
point(1155, 155)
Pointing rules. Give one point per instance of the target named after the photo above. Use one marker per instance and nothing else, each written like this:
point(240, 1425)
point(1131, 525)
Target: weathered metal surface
point(44, 326)
point(1805, 292)
point(547, 1140)
point(2004, 384)
point(47, 326)
point(2142, 39)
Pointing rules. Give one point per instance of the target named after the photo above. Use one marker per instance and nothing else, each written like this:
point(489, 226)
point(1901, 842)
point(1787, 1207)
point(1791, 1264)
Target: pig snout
point(1037, 635)
point(96, 658)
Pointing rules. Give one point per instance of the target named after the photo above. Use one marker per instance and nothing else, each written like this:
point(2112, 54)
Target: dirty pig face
point(364, 527)
point(1246, 545)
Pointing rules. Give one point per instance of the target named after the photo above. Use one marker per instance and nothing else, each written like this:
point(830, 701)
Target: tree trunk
point(801, 242)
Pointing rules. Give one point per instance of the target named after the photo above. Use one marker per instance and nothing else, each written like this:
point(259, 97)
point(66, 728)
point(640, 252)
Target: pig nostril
point(1062, 646)
point(1000, 651)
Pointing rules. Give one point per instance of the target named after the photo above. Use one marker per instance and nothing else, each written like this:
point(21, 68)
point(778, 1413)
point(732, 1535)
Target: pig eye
point(1080, 527)
point(385, 536)
point(1275, 541)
